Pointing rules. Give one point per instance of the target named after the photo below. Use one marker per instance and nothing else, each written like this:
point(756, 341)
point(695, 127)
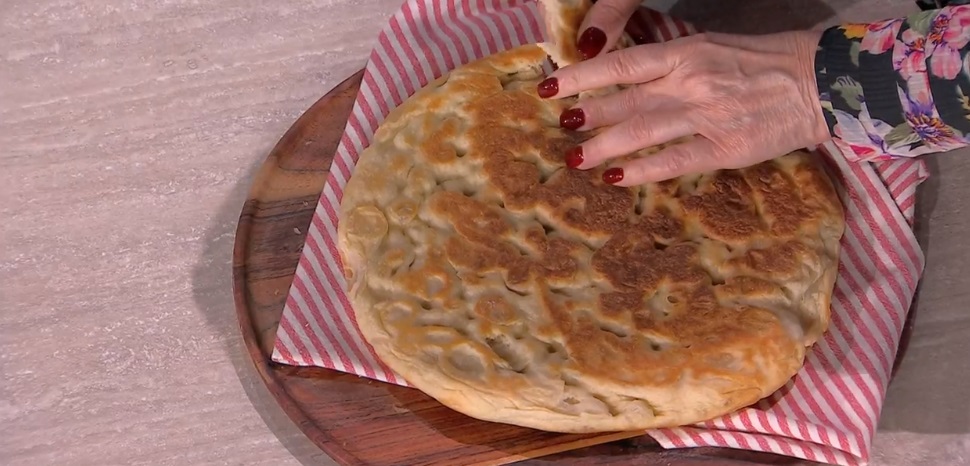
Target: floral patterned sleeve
point(897, 88)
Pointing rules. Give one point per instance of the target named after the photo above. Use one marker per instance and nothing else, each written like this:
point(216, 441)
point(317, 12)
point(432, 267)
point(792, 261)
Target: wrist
point(805, 47)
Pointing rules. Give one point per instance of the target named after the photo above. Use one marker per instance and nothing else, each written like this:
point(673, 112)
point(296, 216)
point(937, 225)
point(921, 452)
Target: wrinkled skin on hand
point(745, 99)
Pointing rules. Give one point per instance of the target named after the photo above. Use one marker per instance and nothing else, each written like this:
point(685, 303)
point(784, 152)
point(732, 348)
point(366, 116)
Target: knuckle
point(675, 162)
point(704, 55)
point(621, 65)
point(629, 106)
point(681, 158)
point(641, 130)
point(707, 48)
point(625, 103)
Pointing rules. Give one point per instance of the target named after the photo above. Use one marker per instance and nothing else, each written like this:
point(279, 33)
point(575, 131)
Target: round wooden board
point(359, 421)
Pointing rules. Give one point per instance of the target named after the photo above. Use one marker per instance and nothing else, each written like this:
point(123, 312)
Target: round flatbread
point(516, 290)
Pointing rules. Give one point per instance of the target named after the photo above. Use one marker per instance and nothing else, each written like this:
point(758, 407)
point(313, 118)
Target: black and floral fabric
point(897, 88)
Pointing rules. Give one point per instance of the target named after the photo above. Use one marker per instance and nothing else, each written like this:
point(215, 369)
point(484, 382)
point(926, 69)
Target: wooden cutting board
point(359, 421)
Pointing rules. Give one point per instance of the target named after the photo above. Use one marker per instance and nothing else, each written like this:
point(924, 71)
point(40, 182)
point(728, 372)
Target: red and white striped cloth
point(827, 413)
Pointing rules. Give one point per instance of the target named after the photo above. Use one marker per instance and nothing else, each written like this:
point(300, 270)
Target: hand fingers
point(597, 112)
point(643, 130)
point(634, 65)
point(696, 155)
point(603, 26)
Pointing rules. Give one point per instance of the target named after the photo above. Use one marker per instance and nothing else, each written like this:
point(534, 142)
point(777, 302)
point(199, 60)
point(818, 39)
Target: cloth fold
point(828, 412)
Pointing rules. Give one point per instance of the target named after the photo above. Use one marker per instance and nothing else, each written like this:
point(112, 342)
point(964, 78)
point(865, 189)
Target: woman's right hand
point(744, 99)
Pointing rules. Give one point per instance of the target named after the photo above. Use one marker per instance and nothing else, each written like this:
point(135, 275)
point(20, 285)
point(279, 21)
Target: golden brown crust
point(515, 290)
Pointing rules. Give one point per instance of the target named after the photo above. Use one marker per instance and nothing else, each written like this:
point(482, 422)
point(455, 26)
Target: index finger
point(634, 65)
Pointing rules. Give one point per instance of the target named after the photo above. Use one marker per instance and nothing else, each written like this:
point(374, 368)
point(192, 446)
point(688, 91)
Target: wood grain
point(359, 421)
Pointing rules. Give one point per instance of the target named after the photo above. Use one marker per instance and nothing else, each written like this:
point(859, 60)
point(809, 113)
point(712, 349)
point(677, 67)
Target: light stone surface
point(129, 133)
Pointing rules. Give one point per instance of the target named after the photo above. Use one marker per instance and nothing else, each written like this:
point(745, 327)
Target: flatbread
point(513, 289)
point(562, 19)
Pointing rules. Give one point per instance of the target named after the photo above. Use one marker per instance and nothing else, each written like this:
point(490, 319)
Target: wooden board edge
point(262, 361)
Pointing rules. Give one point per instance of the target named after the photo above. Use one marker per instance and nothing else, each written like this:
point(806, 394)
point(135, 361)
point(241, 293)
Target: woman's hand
point(746, 99)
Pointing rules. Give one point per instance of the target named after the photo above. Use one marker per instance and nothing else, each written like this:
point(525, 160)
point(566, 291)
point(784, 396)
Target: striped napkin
point(827, 413)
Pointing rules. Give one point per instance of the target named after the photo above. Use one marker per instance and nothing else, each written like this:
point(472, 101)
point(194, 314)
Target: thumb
point(603, 25)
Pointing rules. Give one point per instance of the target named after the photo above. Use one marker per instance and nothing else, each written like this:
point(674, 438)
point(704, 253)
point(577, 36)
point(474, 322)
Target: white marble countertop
point(129, 131)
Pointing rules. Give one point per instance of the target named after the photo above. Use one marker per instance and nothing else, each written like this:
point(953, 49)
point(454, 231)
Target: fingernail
point(572, 118)
point(548, 88)
point(591, 42)
point(574, 157)
point(613, 175)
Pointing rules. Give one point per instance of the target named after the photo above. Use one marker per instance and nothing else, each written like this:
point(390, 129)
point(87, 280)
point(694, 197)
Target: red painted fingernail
point(572, 118)
point(613, 175)
point(574, 157)
point(548, 88)
point(591, 42)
